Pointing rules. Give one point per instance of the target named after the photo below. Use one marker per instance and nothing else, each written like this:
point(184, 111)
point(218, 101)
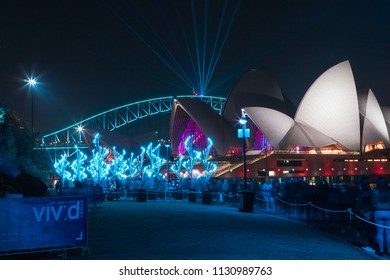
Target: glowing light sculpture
point(146, 166)
point(141, 171)
point(176, 169)
point(152, 170)
point(193, 158)
point(156, 162)
point(98, 167)
point(77, 166)
point(119, 165)
point(132, 165)
point(60, 166)
point(209, 167)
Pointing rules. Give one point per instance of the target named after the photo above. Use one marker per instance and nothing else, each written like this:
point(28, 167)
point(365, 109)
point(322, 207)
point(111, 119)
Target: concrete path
point(184, 231)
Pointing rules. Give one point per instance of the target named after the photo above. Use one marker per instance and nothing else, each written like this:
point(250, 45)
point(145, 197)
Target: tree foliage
point(16, 151)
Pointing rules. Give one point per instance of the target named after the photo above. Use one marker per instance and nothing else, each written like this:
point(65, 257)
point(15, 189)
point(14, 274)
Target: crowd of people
point(369, 201)
point(373, 205)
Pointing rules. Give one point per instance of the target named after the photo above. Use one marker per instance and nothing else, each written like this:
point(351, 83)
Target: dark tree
point(16, 153)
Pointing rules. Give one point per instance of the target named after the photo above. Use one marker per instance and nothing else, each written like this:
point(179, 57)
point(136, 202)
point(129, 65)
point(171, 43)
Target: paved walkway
point(184, 231)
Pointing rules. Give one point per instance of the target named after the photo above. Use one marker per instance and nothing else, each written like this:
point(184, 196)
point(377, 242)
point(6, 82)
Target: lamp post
point(246, 196)
point(243, 122)
point(32, 82)
point(167, 145)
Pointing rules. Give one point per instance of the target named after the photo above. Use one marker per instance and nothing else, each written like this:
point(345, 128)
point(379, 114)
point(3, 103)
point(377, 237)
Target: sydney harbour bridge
point(71, 137)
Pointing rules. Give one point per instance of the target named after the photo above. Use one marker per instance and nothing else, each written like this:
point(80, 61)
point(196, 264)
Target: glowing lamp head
point(243, 120)
point(32, 82)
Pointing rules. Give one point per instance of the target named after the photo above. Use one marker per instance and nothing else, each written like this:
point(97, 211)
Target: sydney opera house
point(337, 131)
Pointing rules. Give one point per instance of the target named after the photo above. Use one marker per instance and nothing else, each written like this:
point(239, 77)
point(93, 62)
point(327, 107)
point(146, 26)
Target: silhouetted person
point(381, 204)
point(59, 187)
point(77, 184)
point(267, 191)
point(364, 208)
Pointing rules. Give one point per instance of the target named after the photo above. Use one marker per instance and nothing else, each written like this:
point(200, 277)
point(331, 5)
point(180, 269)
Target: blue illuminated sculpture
point(98, 167)
point(106, 166)
point(60, 166)
point(119, 164)
point(156, 162)
point(209, 167)
point(176, 168)
point(132, 165)
point(77, 166)
point(195, 156)
point(192, 159)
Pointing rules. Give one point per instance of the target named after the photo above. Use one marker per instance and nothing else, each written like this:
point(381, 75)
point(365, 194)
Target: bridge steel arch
point(71, 137)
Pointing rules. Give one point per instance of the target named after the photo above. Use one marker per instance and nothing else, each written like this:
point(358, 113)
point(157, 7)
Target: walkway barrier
point(342, 223)
point(99, 195)
point(170, 195)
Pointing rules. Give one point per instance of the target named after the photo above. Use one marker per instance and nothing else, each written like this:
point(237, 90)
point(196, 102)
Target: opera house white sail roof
point(330, 106)
point(332, 112)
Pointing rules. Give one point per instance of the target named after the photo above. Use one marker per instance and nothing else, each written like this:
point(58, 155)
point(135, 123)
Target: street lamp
point(167, 145)
point(32, 82)
point(246, 197)
point(243, 122)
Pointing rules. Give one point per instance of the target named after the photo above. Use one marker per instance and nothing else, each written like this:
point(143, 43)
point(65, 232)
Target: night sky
point(91, 56)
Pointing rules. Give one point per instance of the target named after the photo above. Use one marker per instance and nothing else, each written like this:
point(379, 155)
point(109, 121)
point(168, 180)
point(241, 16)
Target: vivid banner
point(45, 222)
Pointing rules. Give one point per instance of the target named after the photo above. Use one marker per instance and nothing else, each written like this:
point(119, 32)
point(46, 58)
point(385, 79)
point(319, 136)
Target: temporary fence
point(343, 223)
point(43, 224)
point(142, 195)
